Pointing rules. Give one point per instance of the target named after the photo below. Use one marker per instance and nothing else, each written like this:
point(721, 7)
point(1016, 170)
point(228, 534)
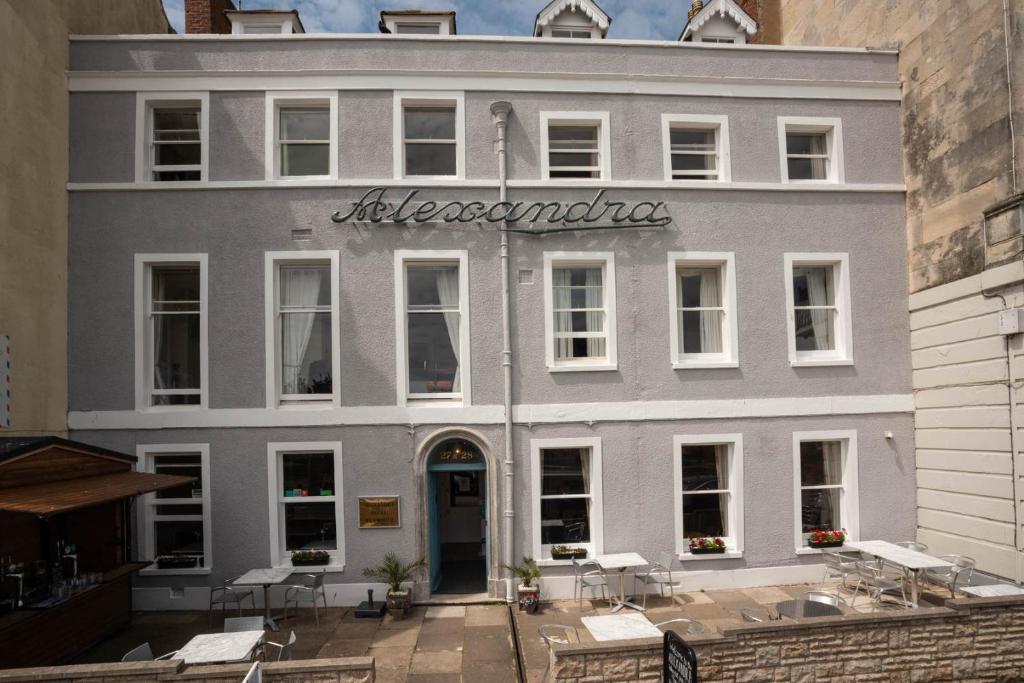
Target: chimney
point(207, 16)
point(695, 9)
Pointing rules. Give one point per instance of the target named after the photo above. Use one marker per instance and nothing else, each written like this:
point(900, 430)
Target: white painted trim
point(596, 545)
point(442, 20)
point(604, 139)
point(402, 256)
point(607, 261)
point(487, 81)
point(726, 262)
point(550, 413)
point(719, 124)
point(833, 129)
point(144, 103)
point(145, 453)
point(680, 185)
point(734, 541)
point(421, 96)
point(274, 452)
point(143, 365)
point(843, 353)
point(849, 498)
point(727, 555)
point(272, 260)
point(271, 146)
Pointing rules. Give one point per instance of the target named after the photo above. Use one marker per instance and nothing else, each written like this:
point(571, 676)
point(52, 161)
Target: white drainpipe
point(499, 115)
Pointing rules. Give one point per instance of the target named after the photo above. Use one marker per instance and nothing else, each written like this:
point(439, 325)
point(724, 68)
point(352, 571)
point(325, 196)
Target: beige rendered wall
point(958, 156)
point(33, 199)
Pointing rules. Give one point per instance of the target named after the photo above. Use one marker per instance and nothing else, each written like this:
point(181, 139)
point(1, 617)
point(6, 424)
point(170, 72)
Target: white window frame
point(725, 261)
point(403, 257)
point(428, 98)
point(832, 128)
point(718, 124)
point(734, 442)
point(143, 341)
point(582, 118)
point(146, 454)
point(558, 259)
point(279, 556)
point(275, 102)
point(849, 502)
point(596, 544)
point(272, 262)
point(843, 353)
point(145, 102)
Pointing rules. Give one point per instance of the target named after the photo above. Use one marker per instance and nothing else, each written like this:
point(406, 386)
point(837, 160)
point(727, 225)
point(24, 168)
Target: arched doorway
point(457, 516)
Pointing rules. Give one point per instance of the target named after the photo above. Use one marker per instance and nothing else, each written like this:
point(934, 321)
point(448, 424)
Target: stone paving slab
point(436, 663)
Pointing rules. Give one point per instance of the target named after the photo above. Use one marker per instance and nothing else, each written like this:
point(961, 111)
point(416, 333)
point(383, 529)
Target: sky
point(638, 19)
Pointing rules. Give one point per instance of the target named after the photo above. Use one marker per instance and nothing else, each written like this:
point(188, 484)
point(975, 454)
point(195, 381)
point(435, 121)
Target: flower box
point(708, 551)
point(310, 558)
point(825, 544)
point(826, 538)
point(706, 545)
point(175, 562)
point(564, 553)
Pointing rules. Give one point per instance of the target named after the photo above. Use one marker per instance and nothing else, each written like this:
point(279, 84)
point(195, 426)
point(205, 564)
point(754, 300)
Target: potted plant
point(310, 558)
point(564, 552)
point(706, 545)
point(175, 562)
point(394, 572)
point(528, 594)
point(826, 538)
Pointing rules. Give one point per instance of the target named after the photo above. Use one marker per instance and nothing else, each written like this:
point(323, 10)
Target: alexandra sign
point(373, 207)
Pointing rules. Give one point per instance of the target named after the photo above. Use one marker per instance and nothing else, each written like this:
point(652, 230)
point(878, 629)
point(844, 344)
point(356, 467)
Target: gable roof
point(725, 9)
point(588, 8)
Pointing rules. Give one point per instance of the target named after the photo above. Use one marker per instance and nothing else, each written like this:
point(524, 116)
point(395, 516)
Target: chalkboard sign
point(679, 663)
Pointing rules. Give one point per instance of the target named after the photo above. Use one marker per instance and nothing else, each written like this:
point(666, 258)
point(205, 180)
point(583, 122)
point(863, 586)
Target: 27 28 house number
point(457, 456)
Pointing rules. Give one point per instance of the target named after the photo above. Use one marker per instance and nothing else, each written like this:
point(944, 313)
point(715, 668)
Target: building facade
point(33, 202)
point(961, 80)
point(285, 279)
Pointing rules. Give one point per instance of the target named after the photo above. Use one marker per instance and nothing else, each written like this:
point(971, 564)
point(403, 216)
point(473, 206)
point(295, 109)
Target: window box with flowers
point(310, 558)
point(706, 546)
point(826, 538)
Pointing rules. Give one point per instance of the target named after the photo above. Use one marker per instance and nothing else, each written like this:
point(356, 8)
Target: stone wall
point(979, 639)
point(342, 670)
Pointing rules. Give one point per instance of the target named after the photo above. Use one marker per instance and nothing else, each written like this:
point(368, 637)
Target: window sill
point(727, 555)
point(810, 181)
point(172, 409)
point(704, 365)
point(434, 401)
point(602, 367)
point(326, 404)
point(817, 551)
point(819, 362)
point(312, 568)
point(153, 570)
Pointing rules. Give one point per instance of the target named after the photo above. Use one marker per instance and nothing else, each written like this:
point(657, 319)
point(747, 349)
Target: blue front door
point(434, 517)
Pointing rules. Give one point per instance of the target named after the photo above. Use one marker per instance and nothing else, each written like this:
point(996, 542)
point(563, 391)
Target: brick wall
point(341, 670)
point(979, 639)
point(207, 16)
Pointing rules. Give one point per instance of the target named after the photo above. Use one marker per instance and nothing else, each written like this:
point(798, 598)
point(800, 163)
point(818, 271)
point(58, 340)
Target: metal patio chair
point(144, 653)
point(841, 565)
point(659, 574)
point(589, 574)
point(959, 574)
point(687, 626)
point(826, 599)
point(876, 583)
point(284, 651)
point(306, 593)
point(236, 624)
point(229, 594)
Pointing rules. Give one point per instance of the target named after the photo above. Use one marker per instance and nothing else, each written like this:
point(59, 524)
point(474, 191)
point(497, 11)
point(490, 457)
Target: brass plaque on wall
point(379, 512)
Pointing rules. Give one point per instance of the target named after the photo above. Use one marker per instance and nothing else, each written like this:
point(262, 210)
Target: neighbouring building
point(33, 200)
point(286, 279)
point(959, 70)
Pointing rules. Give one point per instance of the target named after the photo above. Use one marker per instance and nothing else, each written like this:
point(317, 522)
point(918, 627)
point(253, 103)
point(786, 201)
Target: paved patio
point(443, 644)
point(714, 609)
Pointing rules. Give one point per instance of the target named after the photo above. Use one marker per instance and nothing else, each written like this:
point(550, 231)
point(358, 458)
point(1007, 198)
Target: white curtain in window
point(302, 288)
point(158, 333)
point(562, 278)
point(585, 471)
point(817, 291)
point(595, 319)
point(818, 146)
point(722, 468)
point(710, 321)
point(448, 295)
point(833, 456)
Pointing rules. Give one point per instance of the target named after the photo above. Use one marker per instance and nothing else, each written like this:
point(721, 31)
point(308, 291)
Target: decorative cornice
point(723, 8)
point(586, 7)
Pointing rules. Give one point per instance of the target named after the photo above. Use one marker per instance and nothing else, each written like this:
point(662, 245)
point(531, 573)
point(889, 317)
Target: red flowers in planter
point(706, 543)
point(827, 536)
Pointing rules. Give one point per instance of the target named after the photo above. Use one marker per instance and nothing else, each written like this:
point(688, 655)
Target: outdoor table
point(992, 590)
point(213, 648)
point(266, 578)
point(621, 627)
point(800, 609)
point(621, 562)
point(911, 560)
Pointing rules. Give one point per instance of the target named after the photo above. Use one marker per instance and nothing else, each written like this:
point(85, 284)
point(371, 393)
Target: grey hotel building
point(471, 298)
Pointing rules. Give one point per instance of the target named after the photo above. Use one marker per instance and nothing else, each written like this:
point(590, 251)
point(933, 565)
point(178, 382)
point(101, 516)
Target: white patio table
point(213, 648)
point(992, 590)
point(620, 562)
point(621, 627)
point(911, 560)
point(266, 578)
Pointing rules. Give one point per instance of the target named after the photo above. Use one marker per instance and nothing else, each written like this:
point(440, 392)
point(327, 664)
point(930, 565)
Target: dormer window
point(425, 29)
point(570, 33)
point(718, 21)
point(264, 22)
point(415, 22)
point(581, 19)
